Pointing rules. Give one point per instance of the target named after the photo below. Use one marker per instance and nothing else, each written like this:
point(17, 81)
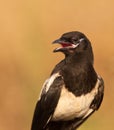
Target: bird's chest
point(78, 79)
point(69, 106)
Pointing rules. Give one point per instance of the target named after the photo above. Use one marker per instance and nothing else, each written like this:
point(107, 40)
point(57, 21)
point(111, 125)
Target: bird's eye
point(75, 41)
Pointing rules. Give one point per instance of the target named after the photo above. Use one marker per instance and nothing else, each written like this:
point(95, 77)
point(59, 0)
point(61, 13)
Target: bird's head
point(74, 43)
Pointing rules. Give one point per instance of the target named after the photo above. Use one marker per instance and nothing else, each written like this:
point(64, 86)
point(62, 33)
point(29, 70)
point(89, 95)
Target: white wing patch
point(70, 106)
point(48, 83)
point(50, 80)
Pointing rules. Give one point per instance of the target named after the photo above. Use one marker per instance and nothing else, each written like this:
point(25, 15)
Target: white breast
point(70, 106)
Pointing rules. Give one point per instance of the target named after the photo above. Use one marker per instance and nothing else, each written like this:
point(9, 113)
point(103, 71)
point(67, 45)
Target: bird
point(73, 91)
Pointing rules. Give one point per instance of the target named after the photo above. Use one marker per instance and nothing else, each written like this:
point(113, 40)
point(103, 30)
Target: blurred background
point(27, 29)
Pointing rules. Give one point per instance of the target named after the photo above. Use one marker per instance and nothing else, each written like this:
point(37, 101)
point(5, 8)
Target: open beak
point(65, 45)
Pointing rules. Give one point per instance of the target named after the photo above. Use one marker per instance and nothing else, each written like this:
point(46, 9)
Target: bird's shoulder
point(53, 82)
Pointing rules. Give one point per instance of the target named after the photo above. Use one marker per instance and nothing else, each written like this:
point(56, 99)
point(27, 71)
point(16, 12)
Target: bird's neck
point(79, 58)
point(77, 74)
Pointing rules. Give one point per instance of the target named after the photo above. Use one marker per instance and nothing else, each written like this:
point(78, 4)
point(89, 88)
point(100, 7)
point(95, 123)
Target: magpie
point(73, 91)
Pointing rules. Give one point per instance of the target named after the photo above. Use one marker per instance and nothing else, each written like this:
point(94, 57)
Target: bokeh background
point(27, 29)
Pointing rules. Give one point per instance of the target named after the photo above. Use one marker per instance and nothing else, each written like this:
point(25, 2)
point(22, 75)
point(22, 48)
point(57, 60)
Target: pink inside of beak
point(65, 45)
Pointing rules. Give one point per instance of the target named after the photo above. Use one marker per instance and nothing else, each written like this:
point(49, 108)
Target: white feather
point(71, 106)
point(48, 83)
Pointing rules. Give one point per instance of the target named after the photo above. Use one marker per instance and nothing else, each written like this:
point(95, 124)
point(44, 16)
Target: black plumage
point(73, 91)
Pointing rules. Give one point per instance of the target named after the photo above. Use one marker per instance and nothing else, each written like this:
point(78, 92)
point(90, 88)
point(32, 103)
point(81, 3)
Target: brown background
point(27, 28)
